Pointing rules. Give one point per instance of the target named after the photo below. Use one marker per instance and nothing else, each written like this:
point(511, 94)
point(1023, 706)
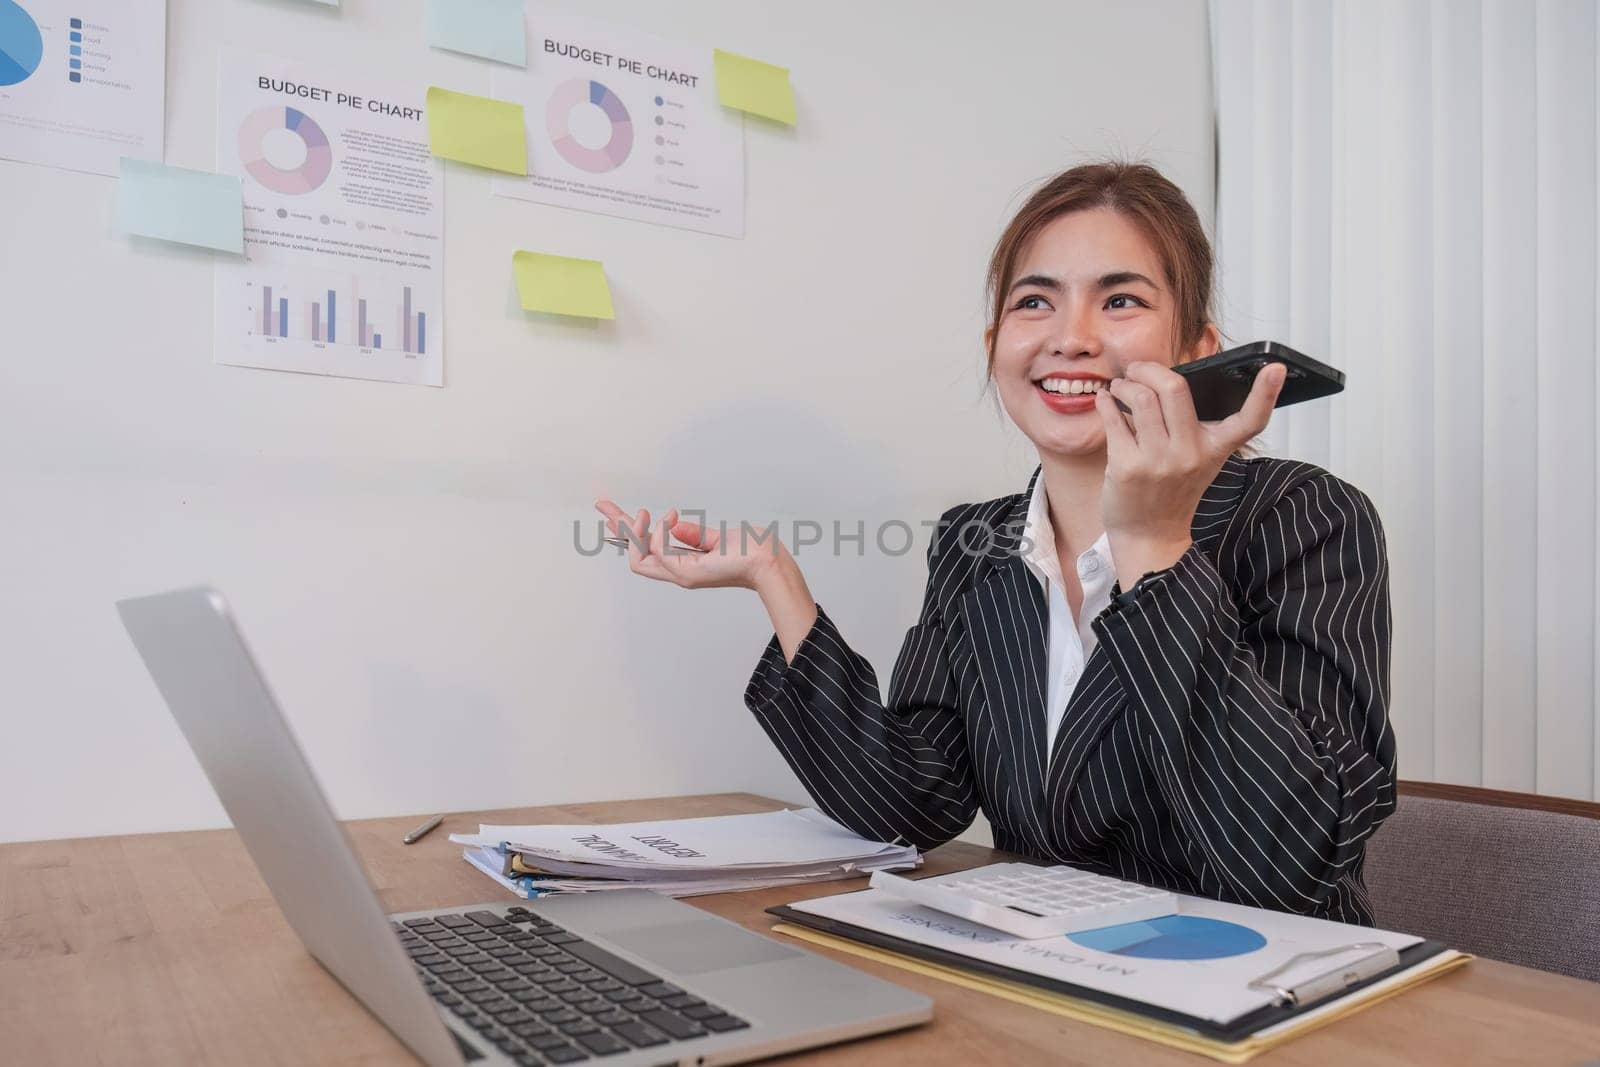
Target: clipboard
point(1291, 1002)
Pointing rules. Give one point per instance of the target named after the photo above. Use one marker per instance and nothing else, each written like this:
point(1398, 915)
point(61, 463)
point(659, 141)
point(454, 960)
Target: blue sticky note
point(75, 64)
point(75, 76)
point(488, 28)
point(192, 207)
point(74, 36)
point(75, 49)
point(77, 24)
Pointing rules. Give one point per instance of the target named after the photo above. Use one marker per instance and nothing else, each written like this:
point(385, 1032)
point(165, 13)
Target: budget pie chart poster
point(82, 83)
point(625, 124)
point(343, 266)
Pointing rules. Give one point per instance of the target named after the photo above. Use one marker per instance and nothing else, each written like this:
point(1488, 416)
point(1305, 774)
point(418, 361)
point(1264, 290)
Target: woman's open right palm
point(731, 557)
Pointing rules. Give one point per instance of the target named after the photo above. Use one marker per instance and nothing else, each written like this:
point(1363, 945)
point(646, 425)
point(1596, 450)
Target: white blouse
point(1070, 641)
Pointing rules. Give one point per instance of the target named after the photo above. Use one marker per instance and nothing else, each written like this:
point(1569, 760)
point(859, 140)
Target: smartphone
point(1221, 382)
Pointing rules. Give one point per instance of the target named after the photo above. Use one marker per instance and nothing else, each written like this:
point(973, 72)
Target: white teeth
point(1071, 386)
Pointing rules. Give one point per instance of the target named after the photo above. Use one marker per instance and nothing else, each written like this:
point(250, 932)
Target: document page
point(1199, 962)
point(343, 271)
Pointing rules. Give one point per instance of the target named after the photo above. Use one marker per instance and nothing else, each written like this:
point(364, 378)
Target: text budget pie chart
point(577, 93)
point(293, 181)
point(21, 46)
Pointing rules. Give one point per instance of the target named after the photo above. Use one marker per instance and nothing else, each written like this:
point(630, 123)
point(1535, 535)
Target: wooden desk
point(167, 949)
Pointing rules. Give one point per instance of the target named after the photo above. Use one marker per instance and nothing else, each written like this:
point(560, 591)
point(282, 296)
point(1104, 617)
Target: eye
point(1031, 302)
point(1124, 301)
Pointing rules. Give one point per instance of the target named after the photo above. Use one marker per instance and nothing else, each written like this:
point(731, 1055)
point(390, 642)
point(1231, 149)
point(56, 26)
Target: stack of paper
point(679, 857)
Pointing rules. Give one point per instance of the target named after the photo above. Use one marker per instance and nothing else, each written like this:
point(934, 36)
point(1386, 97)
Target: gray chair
point(1514, 883)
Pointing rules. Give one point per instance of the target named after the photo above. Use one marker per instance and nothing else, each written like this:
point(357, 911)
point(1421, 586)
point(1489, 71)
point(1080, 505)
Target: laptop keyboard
point(544, 995)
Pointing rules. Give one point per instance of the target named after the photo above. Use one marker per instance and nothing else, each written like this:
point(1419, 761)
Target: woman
point(1198, 701)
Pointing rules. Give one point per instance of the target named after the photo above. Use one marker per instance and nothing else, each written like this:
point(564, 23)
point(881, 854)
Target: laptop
point(624, 977)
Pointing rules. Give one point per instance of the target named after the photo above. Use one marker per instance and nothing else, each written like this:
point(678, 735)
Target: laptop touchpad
point(699, 945)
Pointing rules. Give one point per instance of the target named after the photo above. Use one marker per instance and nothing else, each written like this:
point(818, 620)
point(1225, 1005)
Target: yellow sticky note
point(562, 286)
point(753, 86)
point(477, 130)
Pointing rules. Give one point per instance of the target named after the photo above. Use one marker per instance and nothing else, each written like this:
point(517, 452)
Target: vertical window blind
point(1407, 190)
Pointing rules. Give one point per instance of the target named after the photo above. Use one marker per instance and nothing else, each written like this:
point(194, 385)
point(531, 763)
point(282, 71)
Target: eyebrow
point(1043, 281)
point(1107, 281)
point(1123, 277)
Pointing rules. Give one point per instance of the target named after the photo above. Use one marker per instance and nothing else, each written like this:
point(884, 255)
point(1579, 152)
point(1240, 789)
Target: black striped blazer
point(1228, 738)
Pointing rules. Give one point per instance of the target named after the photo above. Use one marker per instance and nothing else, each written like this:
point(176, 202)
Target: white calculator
point(1033, 902)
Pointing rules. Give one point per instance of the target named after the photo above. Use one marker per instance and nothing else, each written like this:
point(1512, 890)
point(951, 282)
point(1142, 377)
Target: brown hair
point(1140, 193)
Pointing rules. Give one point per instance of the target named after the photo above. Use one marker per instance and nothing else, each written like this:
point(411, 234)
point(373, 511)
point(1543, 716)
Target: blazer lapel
point(1006, 616)
point(1096, 701)
point(1099, 697)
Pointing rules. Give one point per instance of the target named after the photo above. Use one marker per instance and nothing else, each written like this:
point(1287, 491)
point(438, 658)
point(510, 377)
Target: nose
point(1077, 333)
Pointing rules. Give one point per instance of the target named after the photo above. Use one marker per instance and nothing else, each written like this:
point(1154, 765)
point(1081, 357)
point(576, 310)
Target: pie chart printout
point(579, 92)
point(310, 174)
point(21, 46)
point(1173, 937)
point(624, 124)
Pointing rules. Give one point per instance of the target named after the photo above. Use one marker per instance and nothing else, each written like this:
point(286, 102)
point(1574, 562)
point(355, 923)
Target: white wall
point(402, 558)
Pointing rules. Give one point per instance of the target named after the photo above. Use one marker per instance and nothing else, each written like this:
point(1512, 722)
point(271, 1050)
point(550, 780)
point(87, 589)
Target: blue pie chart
point(20, 44)
point(1172, 937)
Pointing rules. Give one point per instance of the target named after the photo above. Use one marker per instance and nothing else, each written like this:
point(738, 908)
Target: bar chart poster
point(343, 271)
point(624, 124)
point(82, 82)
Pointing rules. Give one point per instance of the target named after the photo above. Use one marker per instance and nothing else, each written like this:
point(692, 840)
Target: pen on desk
point(419, 832)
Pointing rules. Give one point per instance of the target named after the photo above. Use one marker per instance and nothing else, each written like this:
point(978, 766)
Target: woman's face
point(1087, 299)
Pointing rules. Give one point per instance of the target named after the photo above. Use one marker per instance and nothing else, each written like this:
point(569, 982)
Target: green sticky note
point(477, 130)
point(488, 28)
point(562, 286)
point(191, 207)
point(753, 86)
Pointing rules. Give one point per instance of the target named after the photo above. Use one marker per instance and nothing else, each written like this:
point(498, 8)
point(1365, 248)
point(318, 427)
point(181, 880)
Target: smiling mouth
point(1071, 386)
